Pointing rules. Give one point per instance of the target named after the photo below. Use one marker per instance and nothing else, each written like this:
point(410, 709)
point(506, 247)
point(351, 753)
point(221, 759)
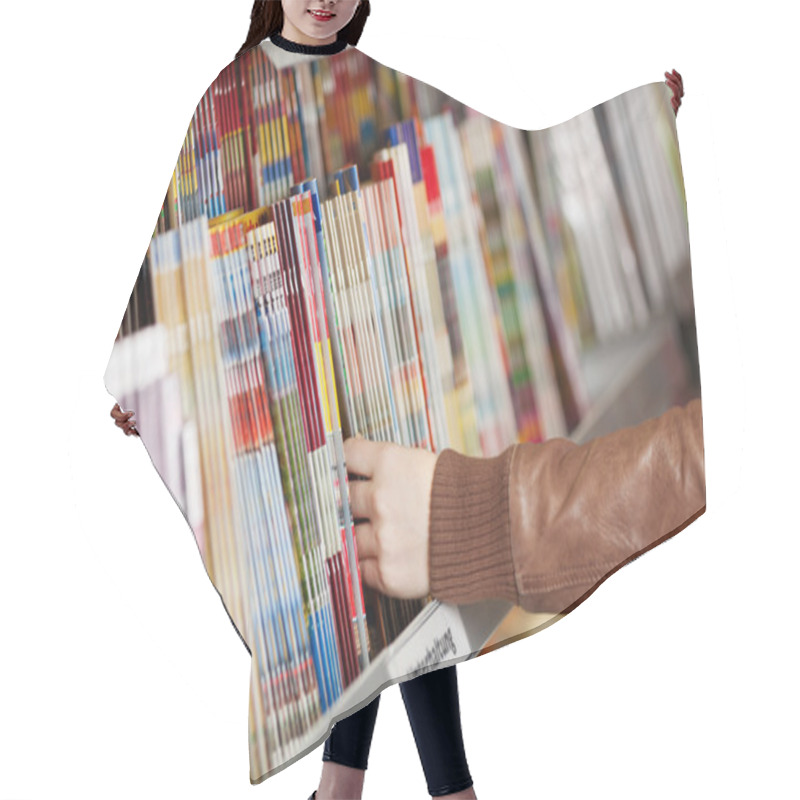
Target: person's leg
point(346, 754)
point(435, 716)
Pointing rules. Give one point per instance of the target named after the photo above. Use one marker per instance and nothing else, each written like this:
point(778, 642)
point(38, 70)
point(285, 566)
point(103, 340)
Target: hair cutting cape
point(345, 250)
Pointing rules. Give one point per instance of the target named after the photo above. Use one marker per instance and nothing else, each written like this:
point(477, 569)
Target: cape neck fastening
point(308, 49)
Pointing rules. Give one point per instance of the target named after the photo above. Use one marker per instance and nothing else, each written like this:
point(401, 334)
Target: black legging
point(433, 711)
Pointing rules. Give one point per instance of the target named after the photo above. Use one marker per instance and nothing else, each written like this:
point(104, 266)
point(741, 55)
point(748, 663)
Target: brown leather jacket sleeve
point(542, 525)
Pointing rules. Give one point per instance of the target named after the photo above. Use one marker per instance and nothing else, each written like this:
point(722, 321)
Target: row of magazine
point(436, 292)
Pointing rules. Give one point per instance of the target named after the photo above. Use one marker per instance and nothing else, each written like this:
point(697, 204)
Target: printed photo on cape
point(345, 250)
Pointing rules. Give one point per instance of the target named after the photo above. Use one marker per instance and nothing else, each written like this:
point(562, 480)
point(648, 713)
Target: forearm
point(564, 516)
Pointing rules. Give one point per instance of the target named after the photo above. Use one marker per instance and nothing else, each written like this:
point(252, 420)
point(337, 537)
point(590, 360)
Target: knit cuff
point(470, 557)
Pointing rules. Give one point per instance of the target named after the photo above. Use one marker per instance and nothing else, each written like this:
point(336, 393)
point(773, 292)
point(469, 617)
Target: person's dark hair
point(266, 18)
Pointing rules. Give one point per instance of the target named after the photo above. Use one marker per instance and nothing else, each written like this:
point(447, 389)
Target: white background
point(120, 673)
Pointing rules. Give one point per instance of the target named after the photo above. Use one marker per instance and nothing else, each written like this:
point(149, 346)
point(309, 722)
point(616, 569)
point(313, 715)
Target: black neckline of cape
point(308, 49)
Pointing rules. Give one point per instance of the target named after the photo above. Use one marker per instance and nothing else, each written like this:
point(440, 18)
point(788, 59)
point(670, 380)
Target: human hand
point(124, 420)
point(675, 82)
point(395, 500)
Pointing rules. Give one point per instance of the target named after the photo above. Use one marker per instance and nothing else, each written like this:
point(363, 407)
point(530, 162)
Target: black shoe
point(313, 795)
